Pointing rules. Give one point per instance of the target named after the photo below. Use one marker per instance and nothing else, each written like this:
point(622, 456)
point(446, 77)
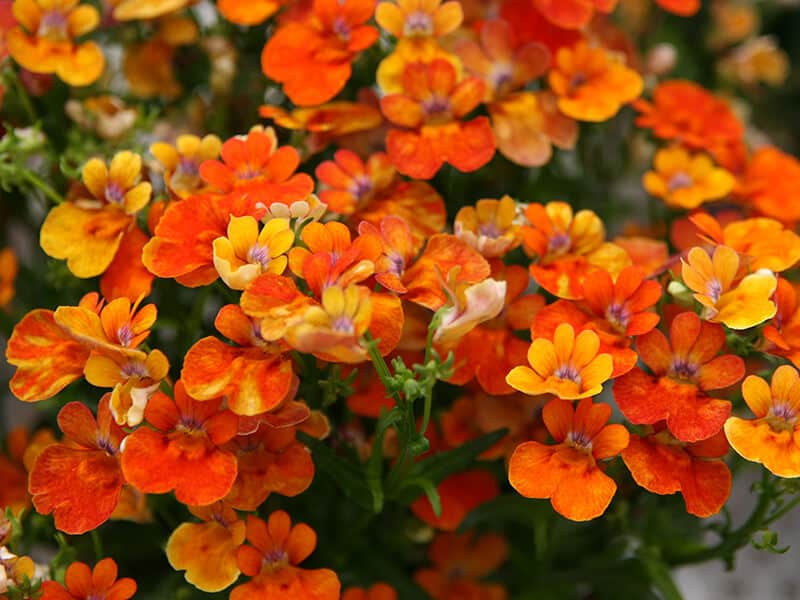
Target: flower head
point(84, 583)
point(686, 181)
point(181, 162)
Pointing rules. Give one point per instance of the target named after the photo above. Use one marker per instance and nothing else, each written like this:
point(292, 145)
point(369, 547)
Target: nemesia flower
point(782, 333)
point(460, 561)
point(772, 437)
point(377, 591)
point(14, 492)
point(664, 465)
point(568, 472)
point(739, 306)
point(429, 110)
point(615, 311)
point(186, 440)
point(567, 246)
point(469, 306)
point(733, 22)
point(770, 183)
point(686, 181)
point(761, 243)
point(312, 56)
point(80, 482)
point(415, 18)
point(573, 14)
point(591, 83)
point(14, 570)
point(207, 550)
point(256, 164)
point(183, 244)
point(107, 116)
point(254, 376)
point(248, 12)
point(83, 583)
point(8, 274)
point(685, 369)
point(275, 549)
point(44, 40)
point(246, 253)
point(126, 276)
point(88, 231)
point(758, 60)
point(459, 495)
point(569, 366)
point(687, 113)
point(181, 162)
point(491, 226)
point(351, 182)
point(528, 24)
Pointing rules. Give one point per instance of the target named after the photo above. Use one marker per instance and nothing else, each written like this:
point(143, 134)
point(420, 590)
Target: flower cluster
point(376, 312)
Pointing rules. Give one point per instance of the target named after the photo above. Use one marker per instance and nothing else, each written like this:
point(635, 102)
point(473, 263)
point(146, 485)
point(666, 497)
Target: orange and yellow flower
point(591, 83)
point(568, 472)
point(186, 440)
point(88, 231)
point(84, 583)
point(275, 549)
point(782, 333)
point(568, 366)
point(773, 437)
point(207, 551)
point(181, 162)
point(429, 111)
point(14, 570)
point(664, 465)
point(686, 181)
point(573, 14)
point(685, 368)
point(312, 56)
point(351, 183)
point(44, 40)
point(418, 18)
point(769, 184)
point(80, 481)
point(739, 303)
point(491, 226)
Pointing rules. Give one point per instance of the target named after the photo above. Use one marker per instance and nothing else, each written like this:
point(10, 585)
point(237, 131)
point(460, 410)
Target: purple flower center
point(343, 324)
point(684, 369)
point(114, 193)
point(54, 26)
point(418, 23)
point(579, 439)
point(259, 254)
point(679, 181)
point(560, 242)
point(568, 372)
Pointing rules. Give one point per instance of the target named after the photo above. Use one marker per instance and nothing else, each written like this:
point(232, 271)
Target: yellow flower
point(686, 181)
point(490, 226)
point(181, 162)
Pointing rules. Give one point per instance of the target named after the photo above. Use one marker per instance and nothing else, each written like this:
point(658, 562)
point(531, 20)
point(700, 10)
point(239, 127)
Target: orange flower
point(327, 122)
point(255, 376)
point(429, 110)
point(246, 253)
point(83, 583)
point(664, 465)
point(8, 273)
point(685, 112)
point(569, 367)
point(248, 12)
point(80, 481)
point(684, 369)
point(591, 83)
point(686, 181)
point(183, 244)
point(567, 473)
point(773, 437)
point(181, 162)
point(783, 332)
point(207, 550)
point(770, 182)
point(331, 257)
point(459, 562)
point(186, 440)
point(378, 591)
point(573, 14)
point(683, 8)
point(312, 57)
point(271, 460)
point(47, 357)
point(615, 312)
point(44, 40)
point(350, 183)
point(763, 243)
point(491, 226)
point(567, 246)
point(415, 18)
point(254, 164)
point(459, 495)
point(739, 306)
point(88, 231)
point(528, 24)
point(276, 548)
point(126, 276)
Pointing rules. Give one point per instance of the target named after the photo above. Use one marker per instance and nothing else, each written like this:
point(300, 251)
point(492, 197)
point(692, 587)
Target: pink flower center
point(54, 26)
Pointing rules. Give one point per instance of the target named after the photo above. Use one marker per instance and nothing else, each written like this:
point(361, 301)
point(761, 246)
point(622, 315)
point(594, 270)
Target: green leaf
point(660, 576)
point(347, 475)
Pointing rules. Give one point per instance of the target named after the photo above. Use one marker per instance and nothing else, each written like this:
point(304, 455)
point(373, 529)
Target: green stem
point(381, 368)
point(40, 184)
point(782, 511)
point(97, 544)
point(734, 540)
point(24, 98)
